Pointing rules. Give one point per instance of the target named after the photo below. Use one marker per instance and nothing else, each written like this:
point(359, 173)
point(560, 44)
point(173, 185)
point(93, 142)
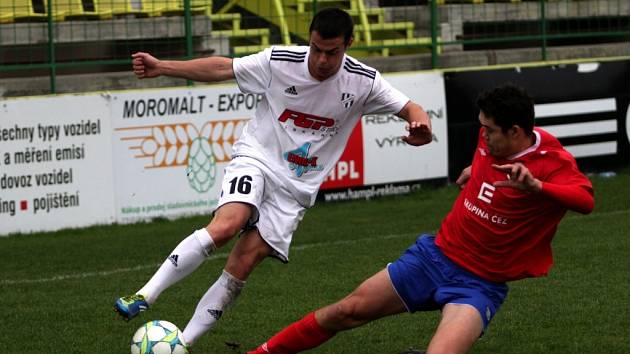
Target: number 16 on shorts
point(242, 183)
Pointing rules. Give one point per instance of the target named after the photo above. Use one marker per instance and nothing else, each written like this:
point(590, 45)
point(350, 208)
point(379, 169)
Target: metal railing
point(57, 37)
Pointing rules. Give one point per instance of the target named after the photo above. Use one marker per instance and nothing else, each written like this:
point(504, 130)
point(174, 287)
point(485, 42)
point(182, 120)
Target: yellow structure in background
point(372, 34)
point(21, 10)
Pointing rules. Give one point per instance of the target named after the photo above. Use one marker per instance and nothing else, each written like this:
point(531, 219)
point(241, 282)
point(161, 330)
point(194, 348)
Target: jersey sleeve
point(384, 98)
point(253, 72)
point(569, 187)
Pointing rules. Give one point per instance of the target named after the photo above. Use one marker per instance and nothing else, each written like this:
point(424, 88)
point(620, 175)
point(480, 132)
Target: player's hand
point(463, 177)
point(519, 177)
point(145, 65)
point(419, 133)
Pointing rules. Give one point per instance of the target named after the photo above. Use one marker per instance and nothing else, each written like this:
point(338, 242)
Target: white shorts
point(276, 213)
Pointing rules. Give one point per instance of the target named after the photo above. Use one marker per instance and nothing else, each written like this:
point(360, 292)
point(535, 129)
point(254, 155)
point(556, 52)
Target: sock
point(184, 259)
point(301, 335)
point(212, 305)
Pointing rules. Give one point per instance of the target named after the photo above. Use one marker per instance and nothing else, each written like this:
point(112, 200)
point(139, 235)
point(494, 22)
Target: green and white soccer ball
point(158, 337)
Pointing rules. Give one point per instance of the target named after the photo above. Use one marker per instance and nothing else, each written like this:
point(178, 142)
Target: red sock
point(301, 335)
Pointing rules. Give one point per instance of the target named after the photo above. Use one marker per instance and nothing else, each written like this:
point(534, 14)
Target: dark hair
point(508, 105)
point(332, 23)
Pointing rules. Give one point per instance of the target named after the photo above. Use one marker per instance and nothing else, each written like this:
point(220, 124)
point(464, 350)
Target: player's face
point(325, 56)
point(499, 143)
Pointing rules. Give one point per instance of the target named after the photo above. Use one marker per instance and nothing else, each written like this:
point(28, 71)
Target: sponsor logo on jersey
point(484, 214)
point(291, 91)
point(300, 162)
point(347, 99)
point(308, 121)
point(486, 192)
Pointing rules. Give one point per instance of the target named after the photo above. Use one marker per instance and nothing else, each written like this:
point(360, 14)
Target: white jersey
point(302, 125)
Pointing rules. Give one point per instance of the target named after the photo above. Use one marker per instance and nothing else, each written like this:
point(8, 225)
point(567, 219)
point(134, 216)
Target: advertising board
point(55, 163)
point(171, 146)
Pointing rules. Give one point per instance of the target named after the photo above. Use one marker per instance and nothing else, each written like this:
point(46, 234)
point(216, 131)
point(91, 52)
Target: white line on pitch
point(155, 266)
point(224, 255)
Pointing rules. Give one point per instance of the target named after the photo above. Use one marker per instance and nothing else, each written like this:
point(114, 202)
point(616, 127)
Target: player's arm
point(573, 196)
point(464, 177)
point(208, 69)
point(419, 124)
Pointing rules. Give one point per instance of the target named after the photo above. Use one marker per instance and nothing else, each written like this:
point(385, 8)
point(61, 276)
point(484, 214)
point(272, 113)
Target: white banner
point(387, 158)
point(78, 160)
point(55, 163)
point(171, 146)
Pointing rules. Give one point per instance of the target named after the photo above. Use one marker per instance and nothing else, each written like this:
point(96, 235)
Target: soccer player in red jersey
point(519, 186)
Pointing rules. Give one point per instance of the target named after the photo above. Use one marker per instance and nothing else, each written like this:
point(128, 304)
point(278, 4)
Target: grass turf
point(57, 289)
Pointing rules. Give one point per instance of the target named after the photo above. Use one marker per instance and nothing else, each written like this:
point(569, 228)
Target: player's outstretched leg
point(249, 250)
point(373, 299)
point(184, 259)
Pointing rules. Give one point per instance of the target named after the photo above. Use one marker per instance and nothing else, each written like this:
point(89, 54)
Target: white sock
point(212, 305)
point(184, 259)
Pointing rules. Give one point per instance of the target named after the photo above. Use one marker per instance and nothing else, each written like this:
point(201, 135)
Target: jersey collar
point(528, 150)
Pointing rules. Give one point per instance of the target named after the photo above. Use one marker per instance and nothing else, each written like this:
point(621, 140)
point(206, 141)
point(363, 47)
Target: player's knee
point(347, 313)
point(224, 229)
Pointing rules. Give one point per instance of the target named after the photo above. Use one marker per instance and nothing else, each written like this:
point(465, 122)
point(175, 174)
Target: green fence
point(57, 37)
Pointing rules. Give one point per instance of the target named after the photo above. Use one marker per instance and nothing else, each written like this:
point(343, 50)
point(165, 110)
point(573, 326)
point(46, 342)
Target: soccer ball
point(158, 337)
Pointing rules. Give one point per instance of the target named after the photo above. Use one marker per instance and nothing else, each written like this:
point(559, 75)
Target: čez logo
point(486, 192)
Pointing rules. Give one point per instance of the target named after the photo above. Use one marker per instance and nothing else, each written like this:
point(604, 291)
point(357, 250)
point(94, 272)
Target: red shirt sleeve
point(573, 197)
point(569, 187)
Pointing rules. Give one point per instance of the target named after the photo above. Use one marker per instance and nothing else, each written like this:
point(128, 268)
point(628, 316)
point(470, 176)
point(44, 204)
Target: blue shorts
point(426, 280)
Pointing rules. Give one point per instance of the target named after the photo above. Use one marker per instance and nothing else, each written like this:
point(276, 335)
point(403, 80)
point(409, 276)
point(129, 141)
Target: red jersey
point(503, 234)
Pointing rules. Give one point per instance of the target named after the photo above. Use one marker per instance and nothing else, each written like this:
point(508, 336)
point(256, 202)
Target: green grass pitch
point(57, 289)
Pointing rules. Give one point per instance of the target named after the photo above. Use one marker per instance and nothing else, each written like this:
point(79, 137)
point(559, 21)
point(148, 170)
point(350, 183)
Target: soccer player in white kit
point(313, 97)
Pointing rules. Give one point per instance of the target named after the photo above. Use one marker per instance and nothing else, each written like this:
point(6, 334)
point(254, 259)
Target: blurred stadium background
point(50, 42)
